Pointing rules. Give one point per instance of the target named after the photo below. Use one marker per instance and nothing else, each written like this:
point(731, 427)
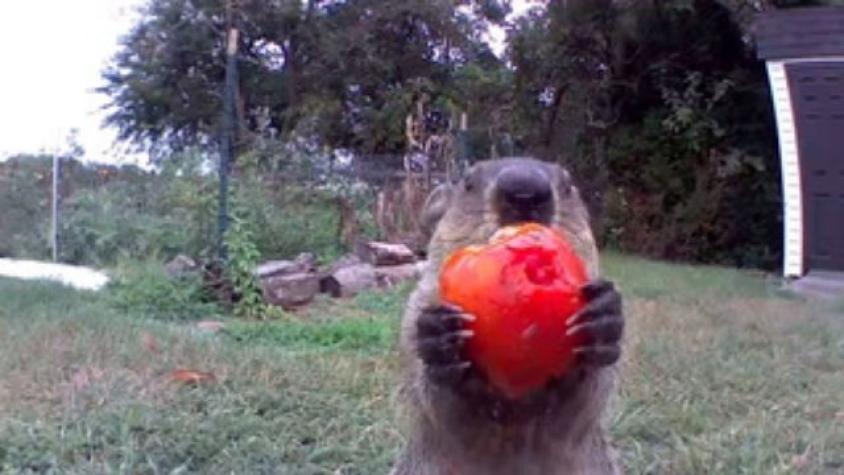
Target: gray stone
point(385, 254)
point(305, 262)
point(390, 276)
point(350, 280)
point(326, 284)
point(290, 290)
point(180, 266)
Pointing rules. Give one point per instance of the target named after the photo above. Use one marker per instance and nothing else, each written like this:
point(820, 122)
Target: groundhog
point(457, 423)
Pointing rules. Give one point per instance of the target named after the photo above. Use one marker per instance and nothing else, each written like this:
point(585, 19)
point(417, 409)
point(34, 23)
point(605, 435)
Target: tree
point(661, 110)
point(166, 81)
point(568, 70)
point(340, 73)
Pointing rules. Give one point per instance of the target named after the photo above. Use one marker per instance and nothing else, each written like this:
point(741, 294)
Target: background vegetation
point(660, 108)
point(109, 214)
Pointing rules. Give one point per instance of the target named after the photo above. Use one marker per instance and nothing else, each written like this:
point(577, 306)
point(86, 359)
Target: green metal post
point(227, 139)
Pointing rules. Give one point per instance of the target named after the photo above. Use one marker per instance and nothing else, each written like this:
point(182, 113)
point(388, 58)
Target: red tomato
point(521, 287)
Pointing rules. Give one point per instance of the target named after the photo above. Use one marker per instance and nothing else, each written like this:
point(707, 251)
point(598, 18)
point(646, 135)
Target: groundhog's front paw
point(441, 340)
point(600, 324)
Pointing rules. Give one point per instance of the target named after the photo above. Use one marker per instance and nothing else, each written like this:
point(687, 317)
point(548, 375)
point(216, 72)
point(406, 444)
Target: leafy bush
point(243, 255)
point(288, 220)
point(690, 183)
point(25, 205)
point(110, 213)
point(105, 225)
point(145, 289)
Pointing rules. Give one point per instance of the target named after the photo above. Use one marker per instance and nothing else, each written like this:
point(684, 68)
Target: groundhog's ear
point(435, 206)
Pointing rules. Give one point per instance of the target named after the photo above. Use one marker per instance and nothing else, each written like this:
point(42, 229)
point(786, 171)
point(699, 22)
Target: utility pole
point(229, 125)
point(463, 143)
point(54, 228)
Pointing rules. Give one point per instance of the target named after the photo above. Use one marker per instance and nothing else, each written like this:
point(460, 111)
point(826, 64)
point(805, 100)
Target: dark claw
point(597, 287)
point(443, 349)
point(451, 375)
point(603, 330)
point(605, 302)
point(438, 320)
point(600, 325)
point(441, 338)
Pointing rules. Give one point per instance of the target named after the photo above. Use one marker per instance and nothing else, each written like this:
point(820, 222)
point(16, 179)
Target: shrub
point(160, 215)
point(288, 220)
point(25, 205)
point(684, 186)
point(145, 289)
point(243, 255)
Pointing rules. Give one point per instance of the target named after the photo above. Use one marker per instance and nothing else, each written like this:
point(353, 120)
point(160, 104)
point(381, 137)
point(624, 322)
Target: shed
point(803, 49)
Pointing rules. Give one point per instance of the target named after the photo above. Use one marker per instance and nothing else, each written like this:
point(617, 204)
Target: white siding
point(793, 218)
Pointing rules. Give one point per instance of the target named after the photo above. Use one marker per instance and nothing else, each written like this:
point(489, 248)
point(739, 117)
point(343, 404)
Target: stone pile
point(294, 283)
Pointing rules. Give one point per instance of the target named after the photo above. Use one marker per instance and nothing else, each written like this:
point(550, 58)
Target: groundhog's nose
point(523, 187)
point(524, 193)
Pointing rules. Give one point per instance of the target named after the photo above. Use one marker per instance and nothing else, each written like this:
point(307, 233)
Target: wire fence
point(293, 202)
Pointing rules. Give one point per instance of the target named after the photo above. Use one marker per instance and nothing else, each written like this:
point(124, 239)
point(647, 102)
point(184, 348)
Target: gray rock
point(390, 276)
point(350, 280)
point(385, 254)
point(326, 284)
point(290, 290)
point(305, 262)
point(180, 266)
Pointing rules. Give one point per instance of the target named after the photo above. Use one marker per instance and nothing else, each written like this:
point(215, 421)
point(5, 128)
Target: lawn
point(722, 374)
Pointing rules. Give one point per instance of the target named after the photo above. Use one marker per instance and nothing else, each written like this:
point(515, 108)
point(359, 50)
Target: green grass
point(721, 374)
point(144, 289)
point(368, 325)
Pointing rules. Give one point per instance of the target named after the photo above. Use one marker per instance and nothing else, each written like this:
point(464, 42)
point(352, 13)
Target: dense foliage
point(113, 213)
point(342, 73)
point(660, 108)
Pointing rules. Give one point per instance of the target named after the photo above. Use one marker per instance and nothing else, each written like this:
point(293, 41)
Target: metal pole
point(463, 143)
point(54, 235)
point(227, 135)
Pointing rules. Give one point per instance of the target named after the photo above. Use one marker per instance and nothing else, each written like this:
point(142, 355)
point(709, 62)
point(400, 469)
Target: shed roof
point(800, 33)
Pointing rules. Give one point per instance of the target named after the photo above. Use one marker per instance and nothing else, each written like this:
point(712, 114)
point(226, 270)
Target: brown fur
point(555, 431)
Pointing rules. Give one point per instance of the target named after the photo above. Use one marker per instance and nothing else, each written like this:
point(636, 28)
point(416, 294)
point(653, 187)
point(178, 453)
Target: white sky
point(52, 53)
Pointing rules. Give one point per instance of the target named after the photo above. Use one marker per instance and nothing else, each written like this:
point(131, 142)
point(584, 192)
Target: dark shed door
point(817, 91)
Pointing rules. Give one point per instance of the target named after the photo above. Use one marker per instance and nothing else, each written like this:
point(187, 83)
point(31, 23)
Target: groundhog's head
point(502, 192)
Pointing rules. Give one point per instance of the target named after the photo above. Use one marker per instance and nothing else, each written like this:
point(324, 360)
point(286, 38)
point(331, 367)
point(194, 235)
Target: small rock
point(308, 260)
point(390, 276)
point(305, 262)
point(385, 254)
point(349, 281)
point(289, 291)
point(275, 268)
point(180, 266)
point(326, 283)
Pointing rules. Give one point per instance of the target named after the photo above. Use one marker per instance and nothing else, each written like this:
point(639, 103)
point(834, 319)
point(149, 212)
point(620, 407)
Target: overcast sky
point(52, 53)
